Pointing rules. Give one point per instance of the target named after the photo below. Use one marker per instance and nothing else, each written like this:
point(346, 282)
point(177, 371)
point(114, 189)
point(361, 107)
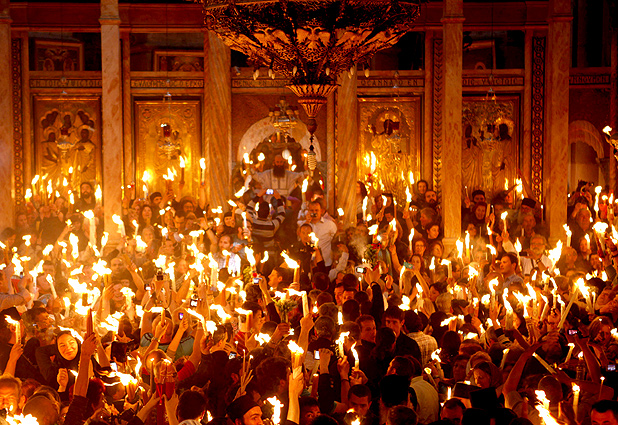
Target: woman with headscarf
point(56, 361)
point(488, 375)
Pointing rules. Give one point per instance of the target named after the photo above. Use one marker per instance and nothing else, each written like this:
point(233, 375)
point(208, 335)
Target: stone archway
point(586, 153)
point(263, 128)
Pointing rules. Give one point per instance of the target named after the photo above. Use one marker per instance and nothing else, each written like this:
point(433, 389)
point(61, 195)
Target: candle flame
point(288, 261)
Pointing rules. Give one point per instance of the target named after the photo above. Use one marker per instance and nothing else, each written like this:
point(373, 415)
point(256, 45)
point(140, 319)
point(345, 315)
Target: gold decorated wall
point(217, 105)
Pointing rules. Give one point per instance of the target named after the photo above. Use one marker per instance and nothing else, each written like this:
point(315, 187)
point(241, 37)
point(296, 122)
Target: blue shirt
point(510, 280)
point(185, 348)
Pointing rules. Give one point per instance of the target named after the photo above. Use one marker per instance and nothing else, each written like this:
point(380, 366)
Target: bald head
point(552, 388)
point(43, 409)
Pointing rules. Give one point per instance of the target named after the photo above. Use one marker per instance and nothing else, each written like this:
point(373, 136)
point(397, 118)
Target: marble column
point(7, 204)
point(613, 107)
point(111, 114)
point(129, 163)
point(217, 120)
point(330, 152)
point(426, 171)
point(452, 105)
point(527, 106)
point(557, 121)
point(347, 146)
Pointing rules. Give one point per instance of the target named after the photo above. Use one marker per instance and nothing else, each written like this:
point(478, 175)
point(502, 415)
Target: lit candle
point(449, 266)
point(116, 219)
point(277, 405)
point(568, 234)
point(340, 342)
point(544, 364)
point(15, 323)
point(244, 219)
point(575, 400)
point(203, 168)
point(570, 353)
point(89, 215)
point(503, 217)
point(297, 352)
point(98, 194)
point(601, 388)
point(181, 160)
point(145, 179)
point(364, 207)
point(356, 359)
point(306, 310)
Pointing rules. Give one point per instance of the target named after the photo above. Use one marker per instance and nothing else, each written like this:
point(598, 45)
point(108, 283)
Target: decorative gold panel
point(490, 150)
point(67, 136)
point(184, 118)
point(390, 129)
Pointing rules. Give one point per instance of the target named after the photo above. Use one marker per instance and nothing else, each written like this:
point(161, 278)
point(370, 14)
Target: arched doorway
point(587, 159)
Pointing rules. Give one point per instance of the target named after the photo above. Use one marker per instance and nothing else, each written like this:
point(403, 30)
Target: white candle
point(306, 311)
point(575, 400)
point(356, 359)
point(571, 348)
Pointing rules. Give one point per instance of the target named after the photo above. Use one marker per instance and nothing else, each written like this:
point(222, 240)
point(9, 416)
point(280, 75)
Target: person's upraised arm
point(173, 347)
point(89, 346)
point(512, 381)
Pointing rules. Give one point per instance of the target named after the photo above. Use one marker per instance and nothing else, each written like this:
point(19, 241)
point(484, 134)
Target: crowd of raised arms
point(271, 310)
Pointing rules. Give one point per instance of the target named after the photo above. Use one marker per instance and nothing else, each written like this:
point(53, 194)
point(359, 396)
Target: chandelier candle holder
point(310, 42)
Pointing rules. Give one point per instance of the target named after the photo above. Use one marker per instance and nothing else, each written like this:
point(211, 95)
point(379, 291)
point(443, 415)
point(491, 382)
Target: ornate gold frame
point(185, 117)
point(84, 112)
point(508, 112)
point(391, 165)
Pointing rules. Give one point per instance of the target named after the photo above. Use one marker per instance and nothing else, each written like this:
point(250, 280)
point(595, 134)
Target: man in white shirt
point(426, 394)
point(324, 229)
point(536, 258)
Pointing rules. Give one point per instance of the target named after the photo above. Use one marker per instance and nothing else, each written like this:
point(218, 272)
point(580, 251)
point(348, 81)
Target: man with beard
point(86, 200)
point(278, 178)
point(431, 200)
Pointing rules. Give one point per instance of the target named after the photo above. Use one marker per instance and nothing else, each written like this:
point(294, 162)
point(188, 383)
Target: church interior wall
point(159, 30)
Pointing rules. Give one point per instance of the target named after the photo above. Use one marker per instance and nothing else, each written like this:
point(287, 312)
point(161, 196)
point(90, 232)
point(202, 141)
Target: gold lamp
point(310, 42)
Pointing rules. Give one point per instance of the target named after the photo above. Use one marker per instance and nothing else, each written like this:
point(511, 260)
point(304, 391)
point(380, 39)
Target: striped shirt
point(264, 229)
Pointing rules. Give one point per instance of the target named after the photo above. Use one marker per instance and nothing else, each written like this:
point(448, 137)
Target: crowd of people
point(271, 309)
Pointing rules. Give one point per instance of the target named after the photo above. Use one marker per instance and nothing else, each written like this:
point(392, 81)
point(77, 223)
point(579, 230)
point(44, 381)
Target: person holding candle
point(426, 343)
point(536, 258)
point(508, 266)
point(393, 318)
point(253, 322)
point(581, 226)
point(65, 354)
point(86, 200)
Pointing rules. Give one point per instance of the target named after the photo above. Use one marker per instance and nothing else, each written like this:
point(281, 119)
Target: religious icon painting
point(67, 139)
point(490, 145)
point(168, 145)
point(390, 140)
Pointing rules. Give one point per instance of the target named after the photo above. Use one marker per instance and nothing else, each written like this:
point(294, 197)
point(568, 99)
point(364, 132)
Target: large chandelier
point(310, 42)
point(284, 117)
